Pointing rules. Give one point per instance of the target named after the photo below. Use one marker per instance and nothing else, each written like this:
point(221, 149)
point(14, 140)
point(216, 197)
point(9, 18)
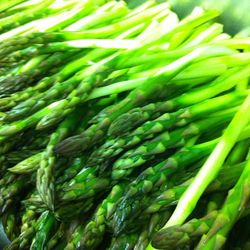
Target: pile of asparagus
point(122, 128)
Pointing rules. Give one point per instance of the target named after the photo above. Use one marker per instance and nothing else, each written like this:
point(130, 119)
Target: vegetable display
point(122, 128)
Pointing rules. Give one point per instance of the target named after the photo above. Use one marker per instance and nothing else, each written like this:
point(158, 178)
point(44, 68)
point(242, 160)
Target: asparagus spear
point(155, 176)
point(67, 212)
point(6, 5)
point(62, 235)
point(182, 236)
point(27, 165)
point(232, 209)
point(55, 239)
point(113, 147)
point(62, 87)
point(31, 74)
point(84, 23)
point(15, 157)
point(125, 24)
point(45, 173)
point(155, 222)
point(28, 15)
point(239, 152)
point(71, 171)
point(11, 192)
point(83, 87)
point(212, 165)
point(67, 71)
point(224, 82)
point(75, 237)
point(5, 147)
point(125, 241)
point(93, 232)
point(96, 132)
point(53, 22)
point(167, 140)
point(45, 226)
point(105, 14)
point(34, 202)
point(84, 185)
point(227, 178)
point(11, 223)
point(165, 197)
point(27, 230)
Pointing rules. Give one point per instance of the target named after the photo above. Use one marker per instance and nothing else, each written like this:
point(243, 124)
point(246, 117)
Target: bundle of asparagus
point(110, 117)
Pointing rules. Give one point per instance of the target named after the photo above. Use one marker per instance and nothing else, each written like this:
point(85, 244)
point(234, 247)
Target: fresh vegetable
point(118, 126)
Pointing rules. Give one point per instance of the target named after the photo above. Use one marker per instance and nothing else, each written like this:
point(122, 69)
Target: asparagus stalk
point(27, 165)
point(212, 166)
point(113, 147)
point(96, 132)
point(153, 177)
point(94, 230)
point(222, 83)
point(45, 173)
point(61, 76)
point(108, 30)
point(27, 230)
point(84, 185)
point(45, 226)
point(125, 241)
point(11, 192)
point(75, 237)
point(55, 239)
point(239, 152)
point(32, 72)
point(71, 171)
point(167, 140)
point(62, 85)
point(10, 221)
point(185, 235)
point(227, 178)
point(73, 46)
point(155, 222)
point(6, 5)
point(232, 209)
point(67, 212)
point(15, 157)
point(28, 15)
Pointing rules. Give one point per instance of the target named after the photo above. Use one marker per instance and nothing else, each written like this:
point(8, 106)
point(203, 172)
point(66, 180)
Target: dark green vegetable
point(111, 116)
